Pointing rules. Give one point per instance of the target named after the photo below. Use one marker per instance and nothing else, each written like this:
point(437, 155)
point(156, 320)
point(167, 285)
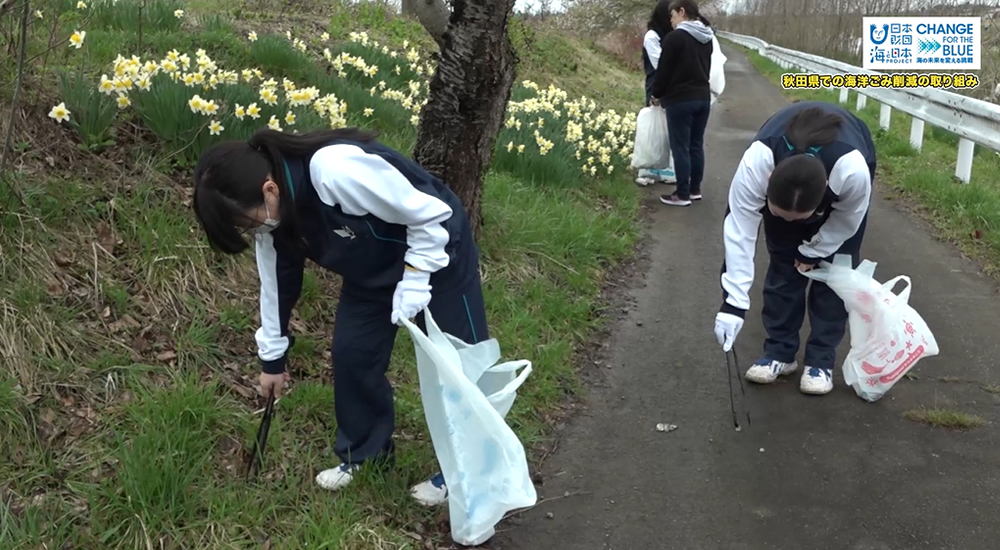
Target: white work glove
point(727, 326)
point(413, 293)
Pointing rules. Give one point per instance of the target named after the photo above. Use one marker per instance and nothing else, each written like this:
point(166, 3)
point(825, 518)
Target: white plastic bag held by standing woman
point(466, 396)
point(652, 146)
point(888, 336)
point(717, 74)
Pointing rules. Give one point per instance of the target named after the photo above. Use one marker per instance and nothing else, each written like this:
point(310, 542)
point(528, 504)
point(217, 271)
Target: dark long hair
point(798, 182)
point(691, 10)
point(659, 20)
point(229, 176)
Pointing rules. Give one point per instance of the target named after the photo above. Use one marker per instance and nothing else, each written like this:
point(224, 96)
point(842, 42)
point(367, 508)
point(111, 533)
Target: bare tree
point(468, 99)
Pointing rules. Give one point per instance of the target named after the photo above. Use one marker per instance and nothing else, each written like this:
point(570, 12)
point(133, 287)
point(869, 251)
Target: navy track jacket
point(849, 162)
point(366, 211)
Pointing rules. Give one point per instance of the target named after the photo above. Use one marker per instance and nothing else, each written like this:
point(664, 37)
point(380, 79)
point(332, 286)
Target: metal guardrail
point(972, 120)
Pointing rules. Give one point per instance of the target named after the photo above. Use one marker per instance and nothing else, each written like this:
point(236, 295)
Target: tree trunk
point(432, 14)
point(468, 100)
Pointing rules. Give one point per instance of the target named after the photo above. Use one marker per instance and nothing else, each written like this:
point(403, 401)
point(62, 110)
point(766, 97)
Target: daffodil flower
point(215, 128)
point(76, 39)
point(59, 113)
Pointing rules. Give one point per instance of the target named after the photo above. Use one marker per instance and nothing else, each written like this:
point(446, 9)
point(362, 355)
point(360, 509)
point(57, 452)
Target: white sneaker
point(432, 492)
point(816, 381)
point(337, 478)
point(665, 175)
point(766, 371)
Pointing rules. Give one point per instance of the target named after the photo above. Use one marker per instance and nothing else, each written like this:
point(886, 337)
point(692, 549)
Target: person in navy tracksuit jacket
point(808, 175)
point(656, 28)
point(397, 235)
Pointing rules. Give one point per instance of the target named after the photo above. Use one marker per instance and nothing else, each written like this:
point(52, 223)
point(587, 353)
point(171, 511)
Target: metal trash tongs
point(261, 441)
point(733, 368)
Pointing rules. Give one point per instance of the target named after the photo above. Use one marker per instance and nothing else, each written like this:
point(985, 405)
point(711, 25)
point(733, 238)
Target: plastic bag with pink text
point(888, 336)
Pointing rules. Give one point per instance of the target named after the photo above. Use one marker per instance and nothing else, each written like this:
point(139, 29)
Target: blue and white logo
point(934, 43)
point(878, 34)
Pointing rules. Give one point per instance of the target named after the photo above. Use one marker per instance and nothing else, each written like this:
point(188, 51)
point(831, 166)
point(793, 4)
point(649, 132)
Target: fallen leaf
point(105, 237)
point(126, 322)
point(55, 288)
point(166, 356)
point(246, 392)
point(106, 313)
point(62, 260)
point(266, 545)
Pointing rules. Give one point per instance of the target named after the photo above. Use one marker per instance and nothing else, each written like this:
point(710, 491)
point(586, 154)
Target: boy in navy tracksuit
point(397, 235)
point(808, 176)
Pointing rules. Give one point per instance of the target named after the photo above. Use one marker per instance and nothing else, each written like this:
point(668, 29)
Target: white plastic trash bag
point(717, 74)
point(466, 396)
point(652, 146)
point(888, 336)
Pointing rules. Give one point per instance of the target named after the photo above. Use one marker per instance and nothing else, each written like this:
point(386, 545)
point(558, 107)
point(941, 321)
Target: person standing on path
point(681, 86)
point(657, 27)
point(808, 175)
point(396, 234)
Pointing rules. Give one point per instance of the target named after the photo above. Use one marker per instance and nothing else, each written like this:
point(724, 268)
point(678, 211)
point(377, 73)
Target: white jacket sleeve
point(850, 180)
point(747, 197)
point(651, 42)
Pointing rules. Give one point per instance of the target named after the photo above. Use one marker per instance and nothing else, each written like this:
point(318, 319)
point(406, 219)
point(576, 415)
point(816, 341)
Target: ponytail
point(798, 183)
point(811, 129)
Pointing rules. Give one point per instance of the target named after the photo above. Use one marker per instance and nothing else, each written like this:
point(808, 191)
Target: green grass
point(945, 418)
point(967, 215)
point(127, 397)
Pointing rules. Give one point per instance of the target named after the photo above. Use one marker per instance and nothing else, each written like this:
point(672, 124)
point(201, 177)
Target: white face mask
point(269, 224)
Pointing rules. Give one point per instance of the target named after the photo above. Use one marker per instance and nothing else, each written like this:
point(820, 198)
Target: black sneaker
point(674, 200)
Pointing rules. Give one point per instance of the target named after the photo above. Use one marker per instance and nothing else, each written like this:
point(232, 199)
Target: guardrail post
point(884, 115)
point(963, 168)
point(917, 134)
point(862, 101)
point(844, 95)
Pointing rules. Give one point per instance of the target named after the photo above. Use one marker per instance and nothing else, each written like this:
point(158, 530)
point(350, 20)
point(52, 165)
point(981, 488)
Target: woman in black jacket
point(681, 87)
